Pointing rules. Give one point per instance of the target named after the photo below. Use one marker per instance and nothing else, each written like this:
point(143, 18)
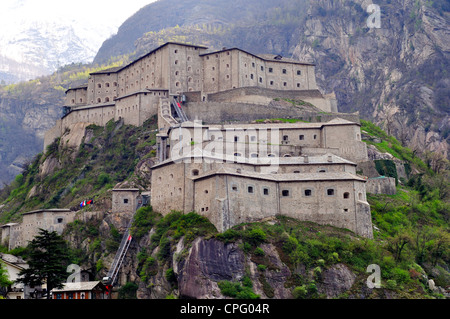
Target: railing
point(123, 248)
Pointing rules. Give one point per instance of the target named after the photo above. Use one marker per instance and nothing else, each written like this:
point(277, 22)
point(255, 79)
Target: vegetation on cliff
point(411, 235)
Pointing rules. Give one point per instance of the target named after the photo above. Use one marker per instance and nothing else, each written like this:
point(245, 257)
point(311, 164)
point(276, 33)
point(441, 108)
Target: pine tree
point(48, 260)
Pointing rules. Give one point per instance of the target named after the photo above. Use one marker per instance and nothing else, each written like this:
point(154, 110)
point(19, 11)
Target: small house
point(81, 290)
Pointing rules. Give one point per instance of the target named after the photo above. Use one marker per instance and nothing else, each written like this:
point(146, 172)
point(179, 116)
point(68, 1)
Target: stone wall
point(124, 200)
point(381, 185)
point(227, 112)
point(18, 235)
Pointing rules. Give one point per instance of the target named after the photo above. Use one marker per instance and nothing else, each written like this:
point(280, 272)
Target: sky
point(109, 13)
point(92, 21)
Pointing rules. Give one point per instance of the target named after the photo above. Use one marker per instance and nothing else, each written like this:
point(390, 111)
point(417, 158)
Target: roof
point(297, 125)
point(54, 210)
point(265, 57)
point(80, 286)
point(125, 190)
point(288, 177)
point(109, 70)
point(259, 161)
point(81, 87)
point(158, 48)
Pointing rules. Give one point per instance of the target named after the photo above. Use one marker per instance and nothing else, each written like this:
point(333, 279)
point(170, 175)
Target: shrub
point(255, 236)
point(300, 292)
point(128, 291)
point(259, 252)
point(235, 290)
point(171, 276)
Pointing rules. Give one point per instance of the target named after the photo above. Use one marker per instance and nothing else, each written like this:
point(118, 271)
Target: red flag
point(179, 105)
point(129, 237)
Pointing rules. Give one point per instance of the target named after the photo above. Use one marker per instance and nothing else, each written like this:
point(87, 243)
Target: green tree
point(397, 243)
point(4, 281)
point(48, 259)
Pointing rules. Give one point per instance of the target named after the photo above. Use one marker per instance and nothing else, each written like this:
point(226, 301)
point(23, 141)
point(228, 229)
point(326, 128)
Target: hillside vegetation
point(411, 235)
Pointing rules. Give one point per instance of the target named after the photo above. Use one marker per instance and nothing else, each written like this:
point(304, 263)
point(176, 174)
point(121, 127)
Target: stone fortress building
point(213, 158)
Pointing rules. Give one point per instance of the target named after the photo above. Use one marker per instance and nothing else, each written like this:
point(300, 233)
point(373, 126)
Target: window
point(298, 85)
point(301, 137)
point(251, 76)
point(330, 192)
point(265, 191)
point(253, 138)
point(284, 83)
point(250, 189)
point(285, 138)
point(206, 191)
point(262, 68)
point(59, 220)
point(176, 61)
point(234, 188)
point(315, 136)
point(236, 138)
point(271, 82)
point(253, 64)
point(346, 195)
point(299, 72)
point(285, 193)
point(270, 70)
point(99, 86)
point(260, 80)
point(284, 71)
point(125, 200)
point(308, 192)
point(195, 172)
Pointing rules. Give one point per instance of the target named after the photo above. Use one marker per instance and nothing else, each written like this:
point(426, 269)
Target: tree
point(48, 260)
point(4, 281)
point(397, 243)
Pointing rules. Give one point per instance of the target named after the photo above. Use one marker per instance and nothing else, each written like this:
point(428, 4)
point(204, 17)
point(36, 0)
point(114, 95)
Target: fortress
point(218, 152)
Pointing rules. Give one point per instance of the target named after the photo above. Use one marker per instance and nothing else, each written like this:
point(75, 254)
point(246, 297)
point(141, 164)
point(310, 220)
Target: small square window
point(284, 71)
point(301, 137)
point(308, 192)
point(265, 191)
point(270, 70)
point(234, 188)
point(330, 192)
point(125, 200)
point(285, 193)
point(299, 72)
point(250, 189)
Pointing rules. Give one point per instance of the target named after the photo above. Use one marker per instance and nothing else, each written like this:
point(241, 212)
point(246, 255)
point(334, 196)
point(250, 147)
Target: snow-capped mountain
point(37, 37)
